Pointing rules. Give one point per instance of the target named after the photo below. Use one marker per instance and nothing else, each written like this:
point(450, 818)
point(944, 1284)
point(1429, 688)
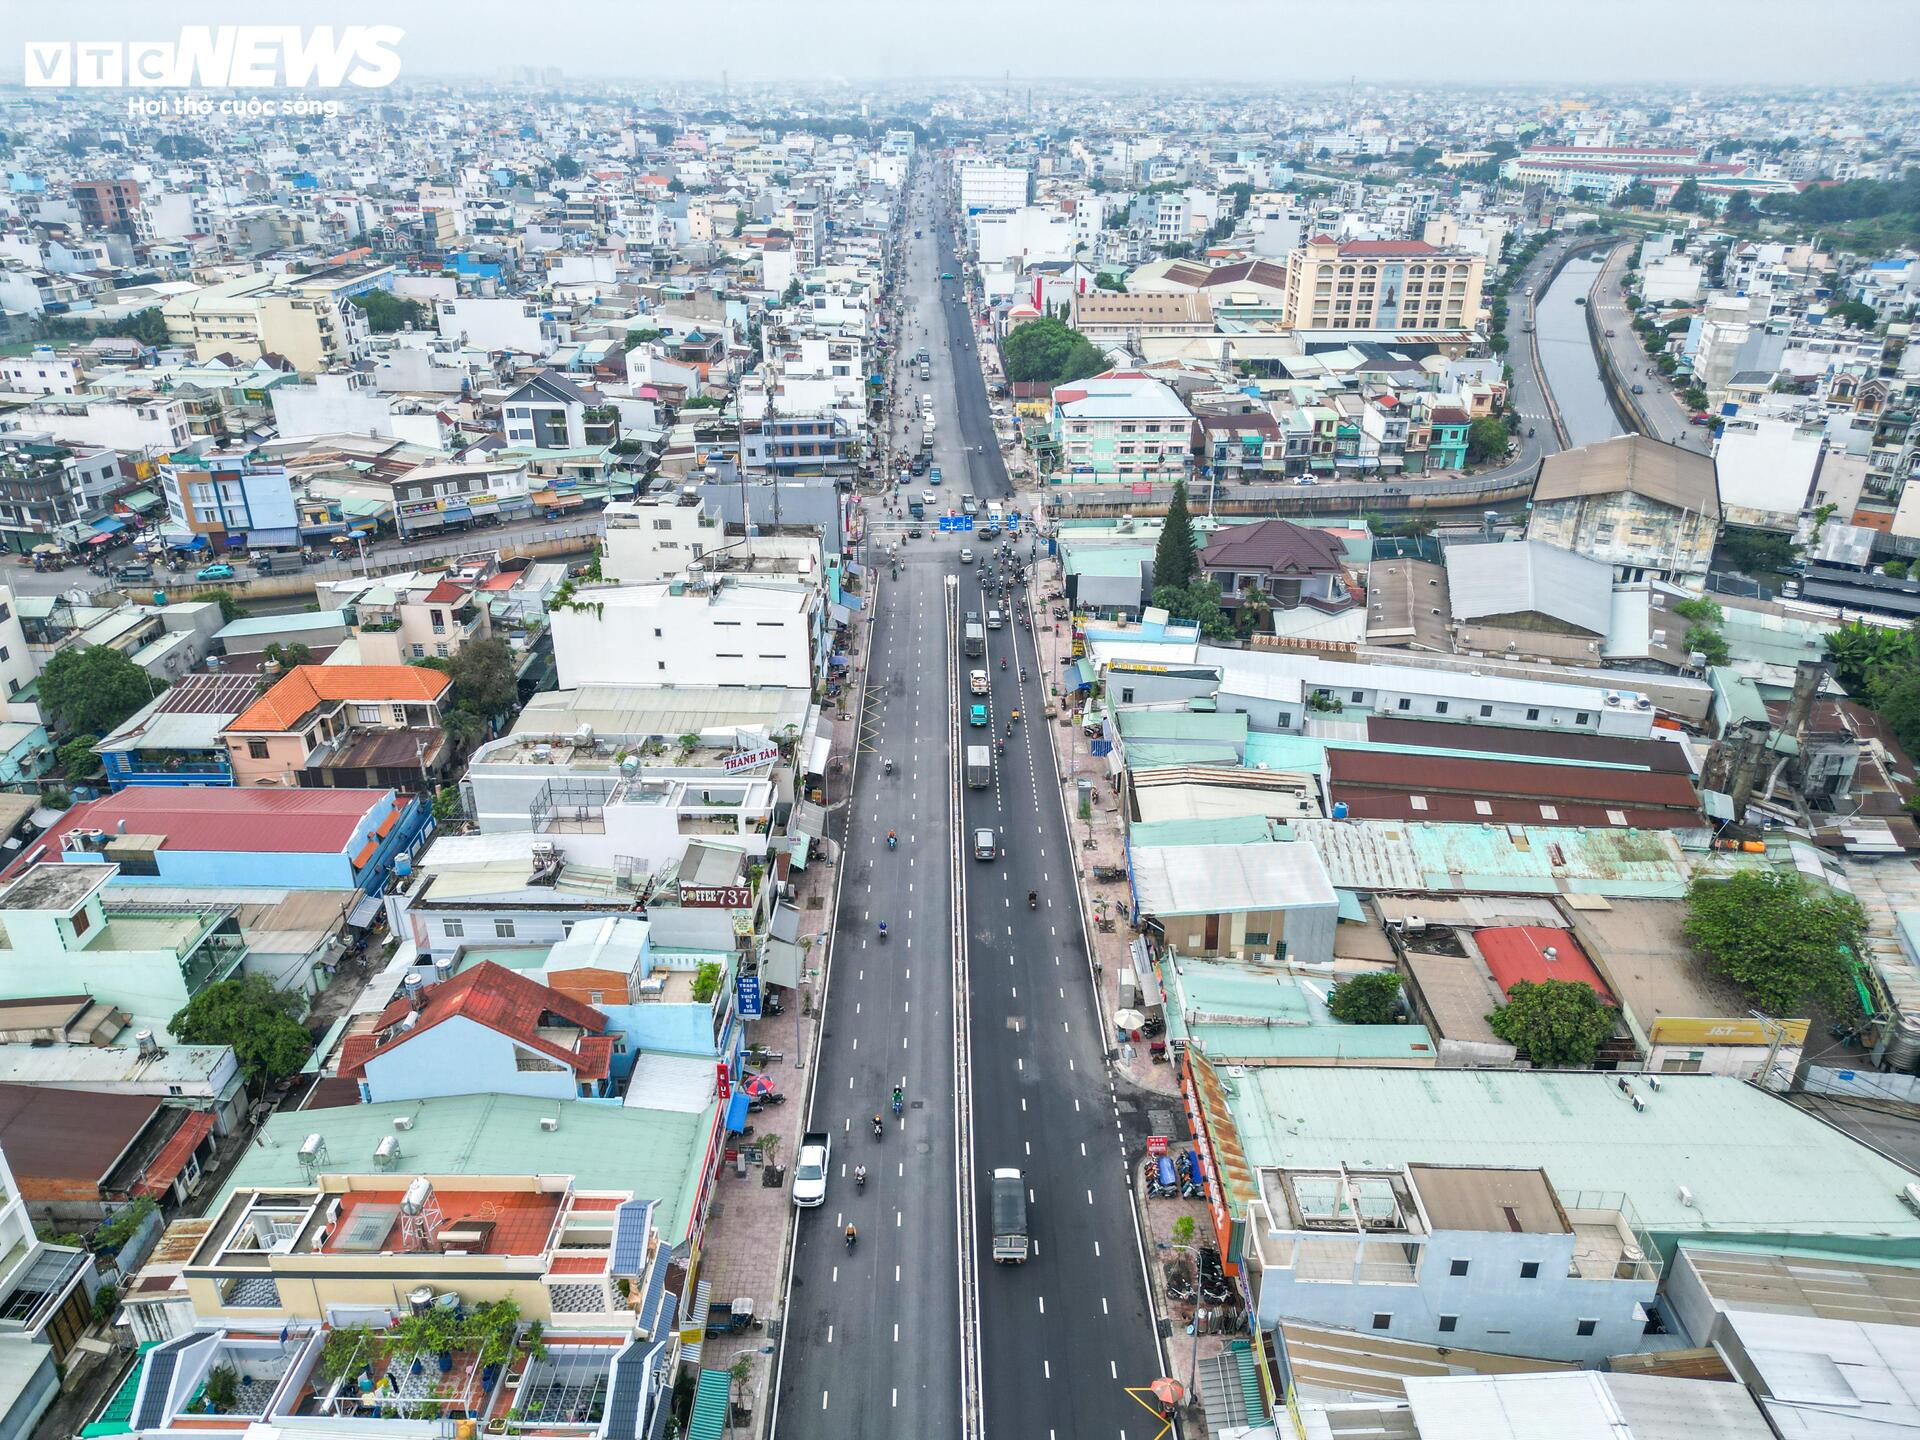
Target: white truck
point(979, 767)
point(810, 1168)
point(1009, 1218)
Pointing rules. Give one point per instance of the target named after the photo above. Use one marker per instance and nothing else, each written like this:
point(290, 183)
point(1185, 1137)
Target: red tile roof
point(1448, 415)
point(236, 819)
point(166, 1166)
point(446, 593)
point(1519, 952)
point(305, 688)
point(500, 999)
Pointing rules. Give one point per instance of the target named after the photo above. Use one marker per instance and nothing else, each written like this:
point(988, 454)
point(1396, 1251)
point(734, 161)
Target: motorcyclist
point(892, 839)
point(879, 1127)
point(899, 1095)
point(1033, 899)
point(860, 1176)
point(852, 1235)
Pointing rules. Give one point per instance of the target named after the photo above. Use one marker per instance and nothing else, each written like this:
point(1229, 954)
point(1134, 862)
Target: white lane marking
point(823, 1399)
point(829, 1334)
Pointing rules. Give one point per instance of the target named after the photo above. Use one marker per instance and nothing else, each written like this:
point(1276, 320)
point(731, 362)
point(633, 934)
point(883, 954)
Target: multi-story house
point(1650, 510)
point(46, 1295)
point(1382, 285)
point(431, 615)
point(1292, 565)
point(307, 317)
point(175, 738)
point(328, 725)
point(656, 536)
point(63, 936)
point(109, 204)
point(451, 496)
point(47, 489)
point(1120, 426)
point(709, 630)
point(140, 422)
point(231, 501)
point(550, 412)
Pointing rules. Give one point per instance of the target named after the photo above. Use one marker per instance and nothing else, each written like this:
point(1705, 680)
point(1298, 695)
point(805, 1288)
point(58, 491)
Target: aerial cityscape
point(840, 721)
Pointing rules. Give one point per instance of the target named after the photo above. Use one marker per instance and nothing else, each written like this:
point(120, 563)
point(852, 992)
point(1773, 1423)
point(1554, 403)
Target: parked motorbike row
point(1186, 1179)
point(1209, 1283)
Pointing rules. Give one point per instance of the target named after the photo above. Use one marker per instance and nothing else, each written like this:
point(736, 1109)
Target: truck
point(917, 509)
point(979, 767)
point(810, 1168)
point(1009, 1218)
point(976, 639)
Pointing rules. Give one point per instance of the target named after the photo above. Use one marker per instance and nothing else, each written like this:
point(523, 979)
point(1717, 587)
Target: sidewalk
point(750, 1224)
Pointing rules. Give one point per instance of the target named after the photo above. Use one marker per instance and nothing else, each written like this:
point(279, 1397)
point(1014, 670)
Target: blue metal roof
point(631, 1222)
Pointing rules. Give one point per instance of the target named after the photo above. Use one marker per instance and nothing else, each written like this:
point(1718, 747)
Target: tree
point(1175, 558)
point(230, 608)
point(1786, 944)
point(1107, 280)
point(1196, 604)
point(1487, 439)
point(1423, 158)
point(1559, 1024)
point(1863, 653)
point(387, 312)
point(76, 757)
point(258, 1021)
point(1686, 195)
point(484, 680)
point(1639, 194)
point(1050, 352)
point(1366, 999)
point(791, 295)
point(91, 690)
point(1852, 312)
point(288, 656)
point(739, 223)
point(1896, 699)
point(566, 167)
point(148, 326)
point(1739, 209)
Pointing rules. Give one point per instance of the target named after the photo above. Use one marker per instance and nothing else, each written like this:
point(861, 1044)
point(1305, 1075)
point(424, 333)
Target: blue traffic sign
point(953, 524)
point(746, 992)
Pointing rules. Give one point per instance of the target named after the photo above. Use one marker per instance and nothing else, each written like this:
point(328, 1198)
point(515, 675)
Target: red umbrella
point(760, 1085)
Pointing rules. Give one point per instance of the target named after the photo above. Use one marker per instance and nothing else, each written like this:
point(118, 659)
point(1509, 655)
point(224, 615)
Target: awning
point(737, 1111)
point(290, 535)
point(364, 909)
point(839, 662)
point(108, 524)
point(101, 540)
point(175, 1154)
point(818, 753)
point(187, 542)
point(840, 615)
point(1083, 674)
point(140, 501)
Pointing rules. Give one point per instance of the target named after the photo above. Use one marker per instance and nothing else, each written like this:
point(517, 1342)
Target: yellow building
point(306, 317)
point(1382, 285)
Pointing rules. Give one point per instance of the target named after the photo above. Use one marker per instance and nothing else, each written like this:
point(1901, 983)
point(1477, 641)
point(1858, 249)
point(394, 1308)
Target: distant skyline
point(1708, 43)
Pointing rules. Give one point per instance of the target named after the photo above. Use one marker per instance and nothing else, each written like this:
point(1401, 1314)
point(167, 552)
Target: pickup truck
point(977, 681)
point(810, 1168)
point(1009, 1218)
point(979, 767)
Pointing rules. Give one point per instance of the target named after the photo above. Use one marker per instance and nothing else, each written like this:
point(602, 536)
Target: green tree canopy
point(1558, 1024)
point(1863, 653)
point(258, 1021)
point(1852, 312)
point(1050, 351)
point(1487, 439)
point(1175, 557)
point(1686, 195)
point(1366, 999)
point(484, 680)
point(230, 608)
point(76, 757)
point(387, 312)
point(566, 167)
point(1781, 941)
point(89, 691)
point(1197, 604)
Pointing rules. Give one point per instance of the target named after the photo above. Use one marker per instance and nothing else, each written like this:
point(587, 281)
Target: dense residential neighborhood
point(548, 619)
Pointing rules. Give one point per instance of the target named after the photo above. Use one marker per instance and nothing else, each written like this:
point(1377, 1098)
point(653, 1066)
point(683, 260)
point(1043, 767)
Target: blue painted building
point(175, 740)
point(223, 838)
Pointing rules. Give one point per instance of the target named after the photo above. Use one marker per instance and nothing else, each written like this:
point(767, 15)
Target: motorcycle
point(1033, 901)
point(892, 840)
point(889, 767)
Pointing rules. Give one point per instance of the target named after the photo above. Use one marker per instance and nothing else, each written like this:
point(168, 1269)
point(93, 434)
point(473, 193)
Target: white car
point(810, 1170)
point(927, 497)
point(966, 555)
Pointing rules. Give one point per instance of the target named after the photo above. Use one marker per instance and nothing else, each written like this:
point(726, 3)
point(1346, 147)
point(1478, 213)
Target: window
point(1404, 704)
point(1449, 1323)
point(1529, 1269)
point(1486, 712)
point(1457, 1267)
point(594, 997)
point(82, 922)
point(1257, 937)
point(453, 928)
point(1533, 714)
point(176, 1090)
point(1126, 695)
point(503, 929)
point(1358, 695)
point(367, 714)
point(419, 651)
point(1382, 1320)
point(1439, 707)
point(256, 749)
point(1585, 1327)
point(1580, 717)
point(440, 651)
point(528, 1062)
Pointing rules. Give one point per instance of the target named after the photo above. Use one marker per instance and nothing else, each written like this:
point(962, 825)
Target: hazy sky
point(1693, 42)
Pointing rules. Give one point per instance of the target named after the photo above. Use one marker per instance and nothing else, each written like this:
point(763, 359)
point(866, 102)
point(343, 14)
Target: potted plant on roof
point(433, 1331)
point(493, 1327)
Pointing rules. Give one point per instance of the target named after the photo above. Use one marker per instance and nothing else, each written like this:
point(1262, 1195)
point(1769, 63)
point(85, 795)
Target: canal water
point(1567, 358)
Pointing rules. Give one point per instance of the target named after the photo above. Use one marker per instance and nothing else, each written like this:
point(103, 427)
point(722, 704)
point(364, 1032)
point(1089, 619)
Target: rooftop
point(1536, 953)
point(1708, 1155)
point(1529, 578)
point(1208, 879)
point(229, 819)
point(1633, 464)
point(305, 688)
point(656, 1154)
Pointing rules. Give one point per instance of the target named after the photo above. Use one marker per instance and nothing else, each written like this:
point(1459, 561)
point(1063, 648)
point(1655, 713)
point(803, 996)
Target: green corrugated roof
point(1271, 1015)
point(1227, 830)
point(117, 1418)
point(654, 1153)
point(708, 1420)
point(1120, 561)
point(1150, 755)
point(1136, 724)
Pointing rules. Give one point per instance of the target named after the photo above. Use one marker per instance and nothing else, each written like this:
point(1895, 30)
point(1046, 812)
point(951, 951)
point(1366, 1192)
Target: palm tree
point(463, 729)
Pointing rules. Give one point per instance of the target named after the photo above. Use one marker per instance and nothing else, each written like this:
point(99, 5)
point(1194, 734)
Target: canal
point(1567, 358)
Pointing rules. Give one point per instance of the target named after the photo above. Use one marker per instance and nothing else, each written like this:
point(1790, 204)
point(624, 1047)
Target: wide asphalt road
point(1667, 419)
point(1062, 1336)
point(871, 1343)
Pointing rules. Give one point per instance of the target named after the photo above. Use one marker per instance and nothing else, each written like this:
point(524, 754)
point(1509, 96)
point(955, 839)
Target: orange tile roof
point(306, 687)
